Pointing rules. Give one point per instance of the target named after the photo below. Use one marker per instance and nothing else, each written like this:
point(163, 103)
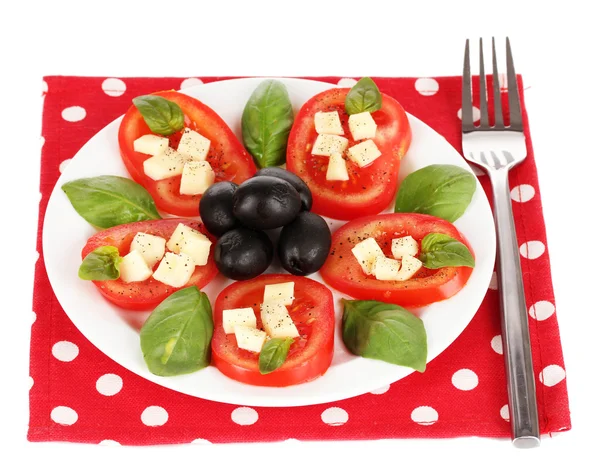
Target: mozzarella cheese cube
point(150, 144)
point(404, 246)
point(364, 153)
point(366, 252)
point(193, 145)
point(196, 178)
point(152, 248)
point(281, 293)
point(243, 317)
point(191, 242)
point(133, 268)
point(174, 269)
point(328, 123)
point(362, 126)
point(250, 339)
point(386, 268)
point(337, 170)
point(166, 164)
point(410, 266)
point(277, 321)
point(327, 144)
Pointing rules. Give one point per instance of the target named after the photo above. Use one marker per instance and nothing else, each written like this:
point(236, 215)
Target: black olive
point(294, 180)
point(243, 253)
point(216, 208)
point(304, 244)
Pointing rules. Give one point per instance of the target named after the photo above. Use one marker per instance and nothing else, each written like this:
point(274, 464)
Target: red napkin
point(80, 395)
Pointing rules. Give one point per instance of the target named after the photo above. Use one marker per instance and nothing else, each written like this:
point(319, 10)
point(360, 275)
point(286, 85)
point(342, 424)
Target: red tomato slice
point(370, 189)
point(227, 156)
point(148, 293)
point(309, 356)
point(343, 272)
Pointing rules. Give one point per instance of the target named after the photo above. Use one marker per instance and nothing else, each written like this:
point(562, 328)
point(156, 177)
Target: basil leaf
point(176, 337)
point(164, 117)
point(439, 250)
point(106, 201)
point(384, 331)
point(444, 191)
point(101, 264)
point(364, 96)
point(266, 123)
point(273, 354)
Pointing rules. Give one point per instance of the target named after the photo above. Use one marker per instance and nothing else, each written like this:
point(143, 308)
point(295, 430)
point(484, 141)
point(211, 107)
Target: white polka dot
point(347, 82)
point(73, 114)
point(334, 416)
point(497, 344)
point(476, 114)
point(64, 415)
point(465, 379)
point(30, 382)
point(522, 193)
point(532, 249)
point(504, 413)
point(291, 441)
point(154, 416)
point(201, 442)
point(42, 142)
point(36, 256)
point(552, 375)
point(109, 384)
point(381, 390)
point(65, 351)
point(33, 317)
point(477, 171)
point(244, 416)
point(424, 415)
point(63, 165)
point(44, 87)
point(113, 87)
point(541, 310)
point(427, 86)
point(110, 443)
point(494, 281)
point(189, 82)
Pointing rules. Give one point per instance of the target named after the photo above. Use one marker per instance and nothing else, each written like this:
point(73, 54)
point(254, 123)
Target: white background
point(555, 47)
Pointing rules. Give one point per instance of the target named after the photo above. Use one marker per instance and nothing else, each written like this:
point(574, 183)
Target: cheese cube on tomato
point(410, 266)
point(193, 145)
point(328, 123)
point(196, 178)
point(366, 252)
point(386, 268)
point(277, 321)
point(250, 339)
point(280, 293)
point(362, 126)
point(328, 144)
point(238, 317)
point(174, 270)
point(166, 164)
point(191, 242)
point(152, 248)
point(150, 144)
point(364, 153)
point(133, 268)
point(404, 246)
point(336, 169)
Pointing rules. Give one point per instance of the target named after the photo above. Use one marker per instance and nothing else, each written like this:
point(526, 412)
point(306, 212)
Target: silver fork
point(497, 148)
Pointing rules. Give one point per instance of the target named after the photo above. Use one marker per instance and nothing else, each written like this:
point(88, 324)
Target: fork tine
point(467, 103)
point(485, 119)
point(498, 120)
point(516, 121)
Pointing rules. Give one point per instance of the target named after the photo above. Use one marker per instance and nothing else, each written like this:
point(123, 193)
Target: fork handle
point(515, 325)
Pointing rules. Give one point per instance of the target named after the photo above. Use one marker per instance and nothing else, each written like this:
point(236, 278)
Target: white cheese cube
point(191, 242)
point(250, 339)
point(386, 268)
point(174, 269)
point(152, 248)
point(196, 178)
point(238, 317)
point(133, 268)
point(328, 123)
point(362, 126)
point(166, 164)
point(366, 252)
point(277, 321)
point(364, 153)
point(281, 293)
point(151, 144)
point(327, 144)
point(193, 145)
point(336, 169)
point(410, 266)
point(404, 246)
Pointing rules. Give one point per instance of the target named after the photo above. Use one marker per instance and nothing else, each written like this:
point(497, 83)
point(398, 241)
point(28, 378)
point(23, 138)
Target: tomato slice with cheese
point(309, 356)
point(226, 156)
point(370, 189)
point(343, 272)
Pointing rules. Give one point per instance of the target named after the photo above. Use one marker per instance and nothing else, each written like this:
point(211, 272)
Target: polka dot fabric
point(80, 395)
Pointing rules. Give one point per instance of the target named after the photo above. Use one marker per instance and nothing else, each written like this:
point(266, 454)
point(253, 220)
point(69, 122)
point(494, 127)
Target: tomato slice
point(370, 189)
point(227, 157)
point(309, 356)
point(343, 272)
point(148, 293)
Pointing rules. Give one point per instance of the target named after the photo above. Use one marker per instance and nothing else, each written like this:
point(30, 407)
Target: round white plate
point(102, 323)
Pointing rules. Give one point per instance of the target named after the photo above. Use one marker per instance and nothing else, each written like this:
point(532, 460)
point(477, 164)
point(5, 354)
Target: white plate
point(65, 233)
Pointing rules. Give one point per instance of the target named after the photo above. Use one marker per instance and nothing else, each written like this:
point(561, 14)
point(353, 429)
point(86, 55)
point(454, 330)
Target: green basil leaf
point(439, 250)
point(444, 191)
point(273, 354)
point(364, 96)
point(107, 201)
point(101, 264)
point(164, 117)
point(176, 337)
point(386, 332)
point(266, 123)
